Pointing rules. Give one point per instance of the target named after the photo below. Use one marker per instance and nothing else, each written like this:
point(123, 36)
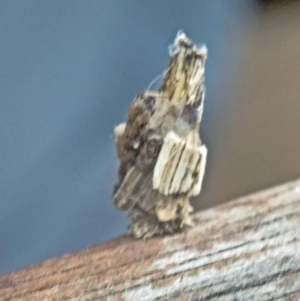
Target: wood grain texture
point(247, 249)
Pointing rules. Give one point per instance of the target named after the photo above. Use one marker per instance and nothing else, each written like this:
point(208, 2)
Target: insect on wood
point(162, 159)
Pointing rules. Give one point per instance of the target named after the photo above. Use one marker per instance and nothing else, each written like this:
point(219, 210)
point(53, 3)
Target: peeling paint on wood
point(248, 249)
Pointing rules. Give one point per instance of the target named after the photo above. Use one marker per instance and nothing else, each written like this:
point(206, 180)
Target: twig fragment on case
point(162, 159)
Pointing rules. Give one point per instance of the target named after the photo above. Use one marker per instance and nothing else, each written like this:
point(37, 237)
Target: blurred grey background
point(69, 71)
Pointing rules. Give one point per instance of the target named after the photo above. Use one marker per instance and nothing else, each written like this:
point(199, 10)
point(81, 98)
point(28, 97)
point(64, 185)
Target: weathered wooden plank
point(248, 249)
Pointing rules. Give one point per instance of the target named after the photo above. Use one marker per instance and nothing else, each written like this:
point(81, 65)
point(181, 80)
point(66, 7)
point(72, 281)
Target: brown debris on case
point(162, 160)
